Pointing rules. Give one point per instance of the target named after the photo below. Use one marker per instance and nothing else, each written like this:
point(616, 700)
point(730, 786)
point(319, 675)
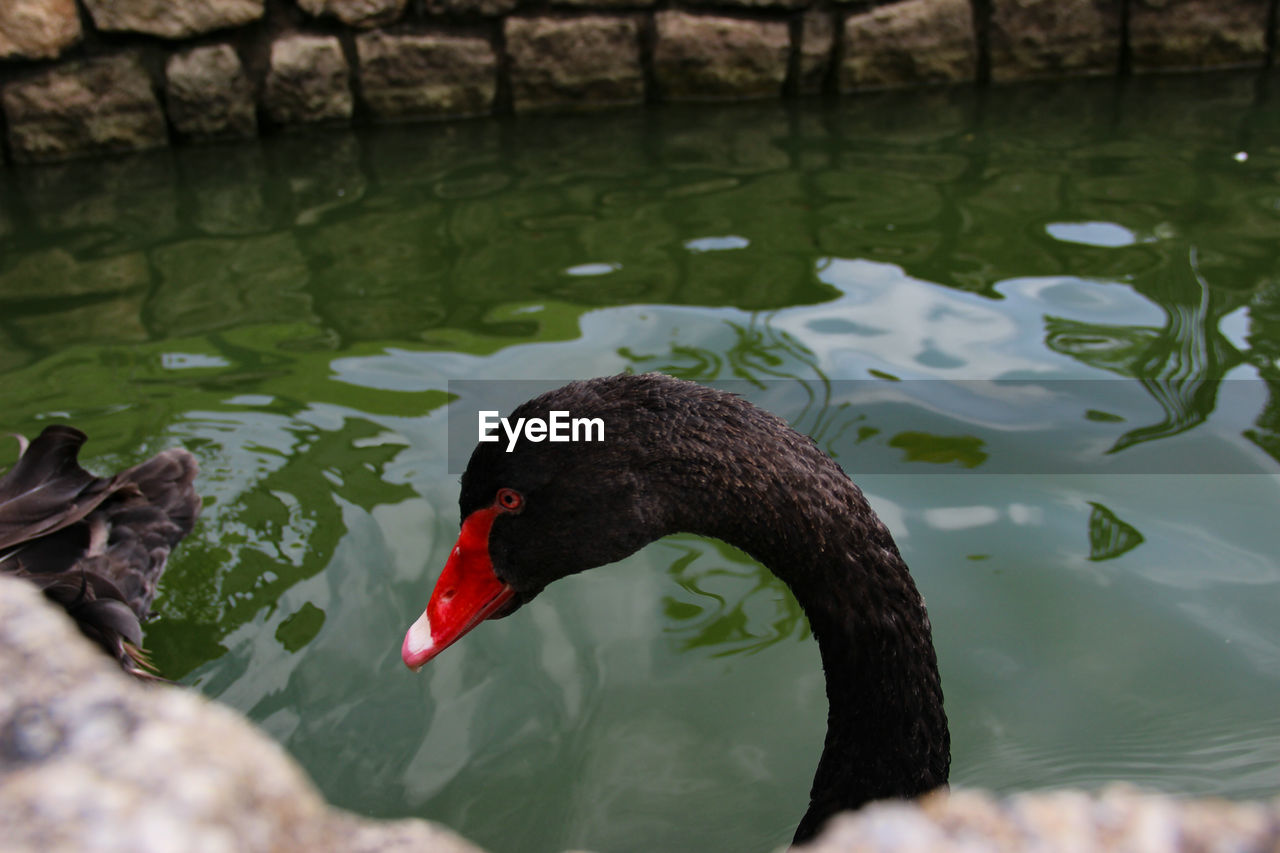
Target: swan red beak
point(467, 593)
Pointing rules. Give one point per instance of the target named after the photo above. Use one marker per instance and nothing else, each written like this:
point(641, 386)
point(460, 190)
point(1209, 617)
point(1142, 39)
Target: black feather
point(47, 489)
point(680, 457)
point(112, 615)
point(96, 545)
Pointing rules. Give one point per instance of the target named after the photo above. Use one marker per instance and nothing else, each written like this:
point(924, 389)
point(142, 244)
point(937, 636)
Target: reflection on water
point(1040, 325)
point(1109, 537)
point(1179, 365)
point(749, 614)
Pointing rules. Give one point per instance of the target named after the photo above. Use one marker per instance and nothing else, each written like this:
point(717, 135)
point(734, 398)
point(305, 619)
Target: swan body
point(680, 457)
point(96, 545)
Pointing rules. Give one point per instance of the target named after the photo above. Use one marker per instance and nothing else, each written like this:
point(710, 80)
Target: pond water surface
point(1039, 325)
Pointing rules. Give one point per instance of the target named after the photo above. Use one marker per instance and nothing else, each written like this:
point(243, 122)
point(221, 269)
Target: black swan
point(679, 457)
point(96, 545)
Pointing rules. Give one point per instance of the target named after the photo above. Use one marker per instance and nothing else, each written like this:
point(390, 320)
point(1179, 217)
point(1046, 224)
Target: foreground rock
point(1118, 819)
point(91, 760)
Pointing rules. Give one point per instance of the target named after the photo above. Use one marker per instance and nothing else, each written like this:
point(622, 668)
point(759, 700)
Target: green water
point(1095, 534)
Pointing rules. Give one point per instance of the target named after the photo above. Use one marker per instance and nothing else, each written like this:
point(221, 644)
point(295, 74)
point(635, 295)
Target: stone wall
point(92, 76)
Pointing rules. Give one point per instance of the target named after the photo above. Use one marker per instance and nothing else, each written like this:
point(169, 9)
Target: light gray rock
point(909, 43)
point(37, 29)
point(356, 13)
point(92, 760)
point(1167, 35)
point(1119, 818)
point(426, 76)
point(1054, 38)
point(93, 106)
point(704, 56)
point(209, 95)
point(574, 63)
point(307, 81)
point(171, 19)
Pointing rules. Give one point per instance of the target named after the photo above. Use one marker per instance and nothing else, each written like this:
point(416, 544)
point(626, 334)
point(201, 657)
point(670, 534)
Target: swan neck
point(800, 515)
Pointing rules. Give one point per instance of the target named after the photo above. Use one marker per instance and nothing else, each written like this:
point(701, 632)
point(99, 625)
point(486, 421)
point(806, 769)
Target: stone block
point(587, 61)
point(487, 8)
point(749, 4)
point(426, 76)
point(1168, 35)
point(307, 81)
point(169, 19)
point(88, 107)
point(356, 13)
point(604, 4)
point(1053, 38)
point(817, 45)
point(908, 44)
point(702, 56)
point(209, 95)
point(37, 29)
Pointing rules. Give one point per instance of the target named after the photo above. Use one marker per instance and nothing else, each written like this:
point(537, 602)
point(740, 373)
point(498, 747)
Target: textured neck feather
point(773, 493)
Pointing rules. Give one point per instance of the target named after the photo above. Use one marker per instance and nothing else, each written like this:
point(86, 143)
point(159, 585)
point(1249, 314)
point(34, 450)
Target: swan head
point(544, 510)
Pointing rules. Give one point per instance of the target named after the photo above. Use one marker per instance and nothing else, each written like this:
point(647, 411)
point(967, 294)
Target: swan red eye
point(510, 500)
